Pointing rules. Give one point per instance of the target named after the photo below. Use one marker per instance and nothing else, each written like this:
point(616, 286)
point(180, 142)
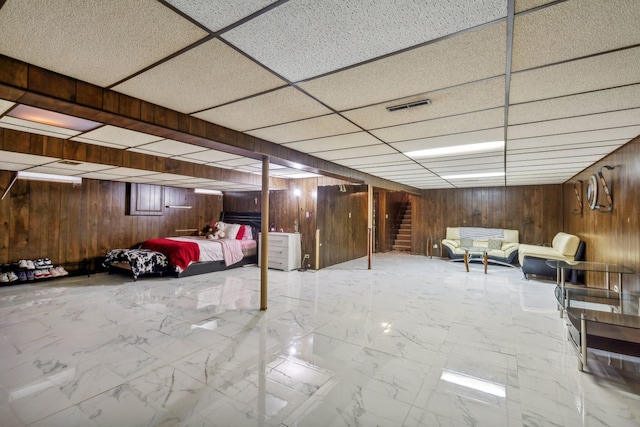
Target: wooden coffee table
point(476, 250)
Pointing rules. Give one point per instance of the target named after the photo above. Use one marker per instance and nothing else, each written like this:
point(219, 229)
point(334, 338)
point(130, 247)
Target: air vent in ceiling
point(69, 162)
point(409, 105)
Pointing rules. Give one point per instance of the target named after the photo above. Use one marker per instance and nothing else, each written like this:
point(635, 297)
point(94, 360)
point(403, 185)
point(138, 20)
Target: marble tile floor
point(413, 342)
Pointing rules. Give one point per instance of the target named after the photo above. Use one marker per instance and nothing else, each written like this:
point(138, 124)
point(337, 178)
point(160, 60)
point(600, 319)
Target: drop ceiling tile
point(79, 166)
point(594, 73)
point(627, 133)
point(444, 126)
point(171, 147)
point(112, 136)
point(168, 177)
point(10, 166)
point(218, 15)
point(203, 77)
point(39, 128)
point(355, 152)
point(25, 159)
point(392, 167)
point(349, 140)
point(464, 138)
point(240, 161)
point(5, 105)
point(577, 124)
point(317, 127)
point(461, 59)
point(581, 155)
point(53, 170)
point(576, 105)
point(138, 179)
point(573, 29)
point(452, 101)
point(359, 30)
point(128, 172)
point(527, 145)
point(210, 156)
point(101, 176)
point(276, 107)
point(376, 160)
point(108, 40)
point(523, 5)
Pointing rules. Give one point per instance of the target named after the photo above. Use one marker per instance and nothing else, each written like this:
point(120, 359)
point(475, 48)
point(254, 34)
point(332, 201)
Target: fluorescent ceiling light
point(178, 207)
point(205, 191)
point(474, 175)
point(52, 118)
point(456, 149)
point(474, 383)
point(35, 176)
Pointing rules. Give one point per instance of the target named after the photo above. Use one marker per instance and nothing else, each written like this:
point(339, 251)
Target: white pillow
point(231, 231)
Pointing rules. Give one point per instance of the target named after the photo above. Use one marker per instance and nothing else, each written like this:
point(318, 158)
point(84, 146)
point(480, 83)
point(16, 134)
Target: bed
point(192, 255)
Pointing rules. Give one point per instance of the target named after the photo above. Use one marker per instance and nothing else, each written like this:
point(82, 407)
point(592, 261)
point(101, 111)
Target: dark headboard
point(254, 219)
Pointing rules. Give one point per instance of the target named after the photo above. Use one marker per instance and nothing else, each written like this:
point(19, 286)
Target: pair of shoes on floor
point(9, 277)
point(27, 264)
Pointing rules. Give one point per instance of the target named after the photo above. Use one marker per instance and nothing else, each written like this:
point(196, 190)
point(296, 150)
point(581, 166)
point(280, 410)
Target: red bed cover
point(180, 254)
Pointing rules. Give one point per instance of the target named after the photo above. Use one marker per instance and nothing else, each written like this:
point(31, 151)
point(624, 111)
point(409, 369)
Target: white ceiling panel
point(97, 42)
point(112, 136)
point(5, 105)
point(101, 176)
point(276, 107)
point(219, 14)
point(140, 179)
point(464, 138)
point(356, 152)
point(389, 159)
point(627, 133)
point(129, 172)
point(10, 166)
point(39, 128)
point(576, 105)
point(203, 77)
point(49, 169)
point(359, 30)
point(169, 147)
point(350, 140)
point(523, 147)
point(523, 5)
point(576, 124)
point(209, 156)
point(594, 73)
point(25, 159)
point(317, 127)
point(444, 126)
point(457, 100)
point(391, 168)
point(465, 58)
point(79, 166)
point(573, 29)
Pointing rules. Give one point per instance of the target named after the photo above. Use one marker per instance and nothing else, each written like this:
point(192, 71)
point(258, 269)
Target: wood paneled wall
point(70, 224)
point(612, 237)
point(535, 211)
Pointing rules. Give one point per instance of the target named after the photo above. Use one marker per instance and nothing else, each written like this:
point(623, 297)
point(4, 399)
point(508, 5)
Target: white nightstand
point(285, 251)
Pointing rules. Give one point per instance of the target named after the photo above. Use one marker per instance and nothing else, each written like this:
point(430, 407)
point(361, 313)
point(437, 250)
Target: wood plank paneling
point(612, 237)
point(70, 224)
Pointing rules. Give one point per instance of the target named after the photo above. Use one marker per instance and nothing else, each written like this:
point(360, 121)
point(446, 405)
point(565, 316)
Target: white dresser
point(285, 251)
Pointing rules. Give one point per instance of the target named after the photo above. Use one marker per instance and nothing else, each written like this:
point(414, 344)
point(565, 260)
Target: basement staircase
point(402, 242)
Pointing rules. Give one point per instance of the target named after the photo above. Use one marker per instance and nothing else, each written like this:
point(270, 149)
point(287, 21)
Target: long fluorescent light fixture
point(36, 176)
point(457, 149)
point(474, 175)
point(51, 118)
point(473, 383)
point(205, 191)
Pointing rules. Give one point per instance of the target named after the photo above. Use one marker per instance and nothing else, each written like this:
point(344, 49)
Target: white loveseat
point(502, 244)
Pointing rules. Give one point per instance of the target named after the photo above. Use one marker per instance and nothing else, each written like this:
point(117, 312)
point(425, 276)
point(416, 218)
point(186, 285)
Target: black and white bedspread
point(142, 261)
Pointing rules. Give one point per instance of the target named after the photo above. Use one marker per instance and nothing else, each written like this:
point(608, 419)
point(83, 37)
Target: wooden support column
point(369, 224)
point(264, 242)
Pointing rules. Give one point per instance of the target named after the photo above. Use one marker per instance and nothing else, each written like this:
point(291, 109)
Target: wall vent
point(69, 162)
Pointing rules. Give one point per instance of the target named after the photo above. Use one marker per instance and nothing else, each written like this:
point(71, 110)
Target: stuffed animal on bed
point(218, 230)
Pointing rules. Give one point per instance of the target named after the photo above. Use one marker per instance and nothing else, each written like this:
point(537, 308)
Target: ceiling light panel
point(573, 29)
point(360, 30)
point(203, 77)
point(38, 128)
point(169, 147)
point(443, 126)
point(317, 127)
point(112, 136)
point(129, 37)
point(449, 140)
point(52, 118)
point(594, 73)
point(350, 140)
point(577, 124)
point(461, 59)
point(218, 15)
point(272, 108)
point(576, 105)
point(457, 100)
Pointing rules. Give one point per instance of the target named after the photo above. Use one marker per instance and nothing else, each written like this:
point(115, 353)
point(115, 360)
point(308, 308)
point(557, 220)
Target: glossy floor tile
point(412, 342)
